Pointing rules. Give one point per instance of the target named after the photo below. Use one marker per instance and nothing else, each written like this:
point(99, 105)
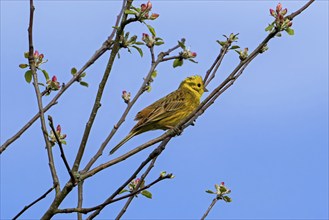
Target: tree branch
point(97, 103)
point(80, 199)
point(39, 99)
point(209, 208)
point(34, 202)
point(51, 123)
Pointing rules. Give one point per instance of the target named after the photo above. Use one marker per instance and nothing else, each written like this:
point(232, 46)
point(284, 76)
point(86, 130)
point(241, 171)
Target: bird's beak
point(205, 90)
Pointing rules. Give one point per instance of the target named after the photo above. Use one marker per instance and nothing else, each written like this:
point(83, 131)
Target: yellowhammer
point(168, 111)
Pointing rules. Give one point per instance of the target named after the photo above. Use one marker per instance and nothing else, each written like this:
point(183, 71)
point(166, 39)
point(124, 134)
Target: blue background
point(266, 137)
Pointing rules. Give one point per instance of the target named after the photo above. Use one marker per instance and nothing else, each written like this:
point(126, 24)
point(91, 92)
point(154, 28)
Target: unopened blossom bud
point(193, 54)
point(222, 183)
point(289, 24)
point(143, 7)
point(148, 5)
point(126, 96)
point(154, 16)
point(63, 136)
point(145, 36)
point(36, 54)
point(54, 79)
point(41, 56)
point(278, 8)
point(284, 11)
point(59, 129)
point(272, 12)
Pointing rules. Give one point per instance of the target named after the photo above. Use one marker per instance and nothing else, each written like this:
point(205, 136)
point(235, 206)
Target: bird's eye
point(199, 84)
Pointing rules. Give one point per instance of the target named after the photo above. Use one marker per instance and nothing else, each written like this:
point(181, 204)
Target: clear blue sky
point(266, 137)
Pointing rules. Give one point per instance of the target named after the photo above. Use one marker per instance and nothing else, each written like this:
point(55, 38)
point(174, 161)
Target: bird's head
point(195, 84)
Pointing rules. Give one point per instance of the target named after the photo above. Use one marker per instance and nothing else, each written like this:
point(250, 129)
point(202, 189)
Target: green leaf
point(210, 192)
point(290, 31)
point(157, 43)
point(23, 65)
point(130, 12)
point(41, 84)
point(182, 45)
point(74, 71)
point(278, 34)
point(140, 51)
point(163, 173)
point(234, 47)
point(151, 29)
point(136, 9)
point(147, 194)
point(28, 76)
point(26, 55)
point(148, 88)
point(177, 62)
point(193, 61)
point(139, 43)
point(123, 191)
point(269, 27)
point(222, 189)
point(116, 27)
point(154, 74)
point(84, 84)
point(222, 43)
point(83, 74)
point(227, 199)
point(63, 142)
point(45, 73)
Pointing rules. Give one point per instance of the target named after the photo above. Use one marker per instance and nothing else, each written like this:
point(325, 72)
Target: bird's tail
point(127, 138)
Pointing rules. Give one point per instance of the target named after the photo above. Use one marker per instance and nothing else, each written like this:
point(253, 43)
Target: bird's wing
point(160, 109)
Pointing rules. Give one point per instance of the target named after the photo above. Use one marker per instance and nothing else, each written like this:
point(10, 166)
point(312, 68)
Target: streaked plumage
point(168, 111)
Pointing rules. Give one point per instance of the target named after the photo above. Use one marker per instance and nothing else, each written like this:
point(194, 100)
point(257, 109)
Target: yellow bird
point(168, 111)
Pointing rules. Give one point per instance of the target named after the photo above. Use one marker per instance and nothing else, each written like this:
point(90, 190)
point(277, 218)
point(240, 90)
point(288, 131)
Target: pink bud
point(41, 56)
point(284, 11)
point(278, 8)
point(222, 183)
point(272, 12)
point(54, 79)
point(36, 53)
point(289, 24)
point(145, 36)
point(143, 7)
point(63, 136)
point(154, 16)
point(280, 17)
point(59, 129)
point(124, 92)
point(193, 54)
point(149, 5)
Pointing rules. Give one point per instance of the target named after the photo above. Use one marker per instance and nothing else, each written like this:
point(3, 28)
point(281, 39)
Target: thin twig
point(213, 69)
point(34, 202)
point(171, 58)
point(51, 123)
point(80, 199)
point(141, 181)
point(209, 208)
point(101, 87)
point(39, 100)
